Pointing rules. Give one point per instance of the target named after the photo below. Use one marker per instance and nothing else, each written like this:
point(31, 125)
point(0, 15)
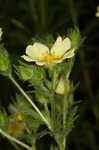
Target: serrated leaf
point(31, 112)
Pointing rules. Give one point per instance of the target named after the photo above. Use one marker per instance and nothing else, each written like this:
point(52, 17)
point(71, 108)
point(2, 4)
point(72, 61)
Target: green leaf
point(75, 37)
point(24, 71)
point(38, 76)
point(4, 120)
point(31, 112)
point(5, 68)
point(72, 117)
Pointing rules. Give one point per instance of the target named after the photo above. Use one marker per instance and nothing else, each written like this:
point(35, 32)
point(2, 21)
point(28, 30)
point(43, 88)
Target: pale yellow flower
point(41, 55)
point(61, 87)
point(97, 13)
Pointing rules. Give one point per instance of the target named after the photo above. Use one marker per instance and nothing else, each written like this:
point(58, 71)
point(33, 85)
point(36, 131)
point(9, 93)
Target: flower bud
point(61, 87)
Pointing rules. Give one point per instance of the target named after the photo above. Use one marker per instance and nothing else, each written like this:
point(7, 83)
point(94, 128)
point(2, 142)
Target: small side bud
point(61, 86)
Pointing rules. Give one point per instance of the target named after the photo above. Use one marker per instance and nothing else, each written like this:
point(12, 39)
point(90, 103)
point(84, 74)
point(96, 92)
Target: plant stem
point(65, 109)
point(29, 100)
point(14, 140)
point(60, 145)
point(34, 143)
point(47, 110)
point(52, 111)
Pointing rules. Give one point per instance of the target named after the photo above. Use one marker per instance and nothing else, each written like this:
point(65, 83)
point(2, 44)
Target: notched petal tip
point(67, 43)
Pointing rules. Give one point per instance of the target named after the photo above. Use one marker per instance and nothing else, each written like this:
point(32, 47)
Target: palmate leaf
point(34, 74)
point(41, 89)
point(28, 138)
point(38, 76)
point(62, 132)
point(24, 71)
point(32, 113)
point(72, 117)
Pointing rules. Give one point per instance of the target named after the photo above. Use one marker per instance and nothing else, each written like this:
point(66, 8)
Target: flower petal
point(61, 46)
point(69, 54)
point(37, 51)
point(27, 58)
point(57, 61)
point(40, 63)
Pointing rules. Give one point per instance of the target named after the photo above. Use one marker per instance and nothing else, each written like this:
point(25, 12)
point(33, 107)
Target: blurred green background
point(23, 19)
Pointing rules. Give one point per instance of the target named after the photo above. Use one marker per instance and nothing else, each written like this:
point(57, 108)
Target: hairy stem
point(52, 111)
point(14, 140)
point(47, 110)
point(29, 100)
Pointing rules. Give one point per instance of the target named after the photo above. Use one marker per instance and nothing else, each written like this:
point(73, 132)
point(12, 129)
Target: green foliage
point(75, 37)
point(72, 117)
point(4, 120)
point(44, 108)
point(24, 71)
point(5, 68)
point(38, 76)
point(23, 19)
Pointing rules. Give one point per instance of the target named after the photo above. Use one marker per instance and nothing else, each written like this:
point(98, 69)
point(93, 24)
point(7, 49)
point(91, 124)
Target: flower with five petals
point(42, 55)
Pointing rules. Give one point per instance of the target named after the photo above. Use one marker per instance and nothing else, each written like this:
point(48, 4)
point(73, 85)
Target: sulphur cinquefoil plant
point(48, 100)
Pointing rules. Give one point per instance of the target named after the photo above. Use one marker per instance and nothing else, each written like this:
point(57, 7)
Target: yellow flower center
point(19, 117)
point(50, 57)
